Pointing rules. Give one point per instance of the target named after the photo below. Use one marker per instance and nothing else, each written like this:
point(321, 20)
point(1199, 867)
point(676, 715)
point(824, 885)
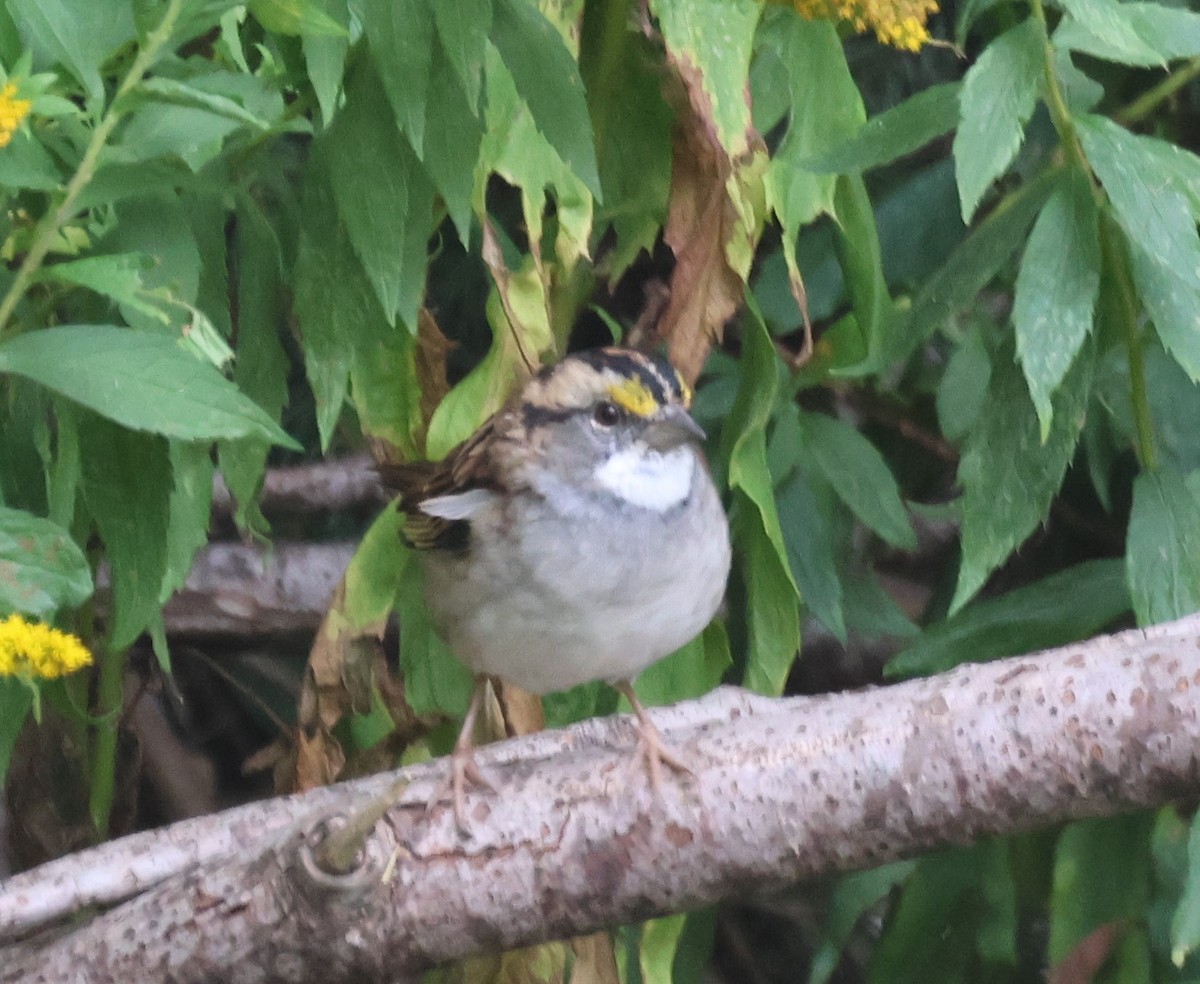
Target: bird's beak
point(672, 427)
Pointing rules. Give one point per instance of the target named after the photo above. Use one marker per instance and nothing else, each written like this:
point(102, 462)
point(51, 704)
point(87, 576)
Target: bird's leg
point(462, 760)
point(651, 746)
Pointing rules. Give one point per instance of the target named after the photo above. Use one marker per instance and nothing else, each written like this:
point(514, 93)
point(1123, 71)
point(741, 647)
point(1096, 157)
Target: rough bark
point(784, 790)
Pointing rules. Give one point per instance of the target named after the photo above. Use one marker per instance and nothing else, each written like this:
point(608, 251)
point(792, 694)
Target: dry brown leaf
point(715, 216)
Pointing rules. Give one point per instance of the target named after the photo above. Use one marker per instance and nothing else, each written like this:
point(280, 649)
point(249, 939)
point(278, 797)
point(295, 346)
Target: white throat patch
point(648, 479)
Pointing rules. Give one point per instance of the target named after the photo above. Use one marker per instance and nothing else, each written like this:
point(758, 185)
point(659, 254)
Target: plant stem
point(1146, 103)
point(56, 218)
point(1116, 262)
point(109, 695)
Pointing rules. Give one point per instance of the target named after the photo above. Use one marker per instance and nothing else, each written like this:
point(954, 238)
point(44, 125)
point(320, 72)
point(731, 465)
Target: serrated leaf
point(1162, 552)
point(1056, 291)
point(383, 196)
point(1167, 33)
point(977, 260)
point(861, 478)
point(1109, 21)
point(452, 145)
point(1164, 248)
point(548, 81)
point(141, 380)
point(1008, 473)
point(998, 96)
point(463, 29)
point(127, 488)
point(118, 276)
point(325, 60)
point(295, 17)
point(1062, 608)
point(42, 570)
point(900, 130)
point(176, 93)
point(400, 35)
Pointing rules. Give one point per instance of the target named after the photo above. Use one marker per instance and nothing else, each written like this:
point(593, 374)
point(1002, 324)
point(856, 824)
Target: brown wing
point(465, 467)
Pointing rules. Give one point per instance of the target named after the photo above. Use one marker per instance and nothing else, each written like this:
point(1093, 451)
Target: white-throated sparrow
point(576, 536)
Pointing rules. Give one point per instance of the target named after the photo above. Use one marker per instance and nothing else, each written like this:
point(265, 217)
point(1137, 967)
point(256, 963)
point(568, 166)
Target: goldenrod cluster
point(900, 23)
point(12, 112)
point(31, 649)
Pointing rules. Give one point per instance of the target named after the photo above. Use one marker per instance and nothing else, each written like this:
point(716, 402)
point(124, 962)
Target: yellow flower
point(12, 112)
point(31, 649)
point(900, 23)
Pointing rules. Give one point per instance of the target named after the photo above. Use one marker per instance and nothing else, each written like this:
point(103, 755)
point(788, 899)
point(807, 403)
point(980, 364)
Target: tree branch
point(784, 790)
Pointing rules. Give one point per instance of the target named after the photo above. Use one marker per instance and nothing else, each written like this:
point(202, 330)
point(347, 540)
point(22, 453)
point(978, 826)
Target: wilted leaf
point(717, 200)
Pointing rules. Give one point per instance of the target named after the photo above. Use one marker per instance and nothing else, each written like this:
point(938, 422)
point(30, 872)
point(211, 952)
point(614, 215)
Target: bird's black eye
point(606, 413)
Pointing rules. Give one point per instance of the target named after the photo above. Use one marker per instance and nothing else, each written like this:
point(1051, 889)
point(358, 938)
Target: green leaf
point(853, 896)
point(434, 680)
point(860, 256)
point(1056, 290)
point(690, 671)
point(177, 93)
point(1062, 608)
point(127, 488)
point(1185, 923)
point(452, 146)
point(894, 133)
point(1166, 32)
point(824, 110)
point(811, 552)
point(188, 511)
point(1109, 21)
point(78, 34)
point(295, 17)
point(998, 96)
point(16, 701)
point(963, 387)
point(141, 380)
point(548, 81)
point(42, 570)
point(1008, 473)
point(118, 277)
point(325, 59)
point(1162, 551)
point(1101, 875)
point(660, 942)
point(25, 164)
point(1163, 245)
point(977, 260)
point(400, 35)
point(861, 478)
point(463, 29)
point(772, 612)
point(383, 196)
point(261, 368)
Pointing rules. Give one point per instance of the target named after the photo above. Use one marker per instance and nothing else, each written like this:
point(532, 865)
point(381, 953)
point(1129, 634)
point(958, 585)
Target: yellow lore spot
point(633, 395)
point(31, 650)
